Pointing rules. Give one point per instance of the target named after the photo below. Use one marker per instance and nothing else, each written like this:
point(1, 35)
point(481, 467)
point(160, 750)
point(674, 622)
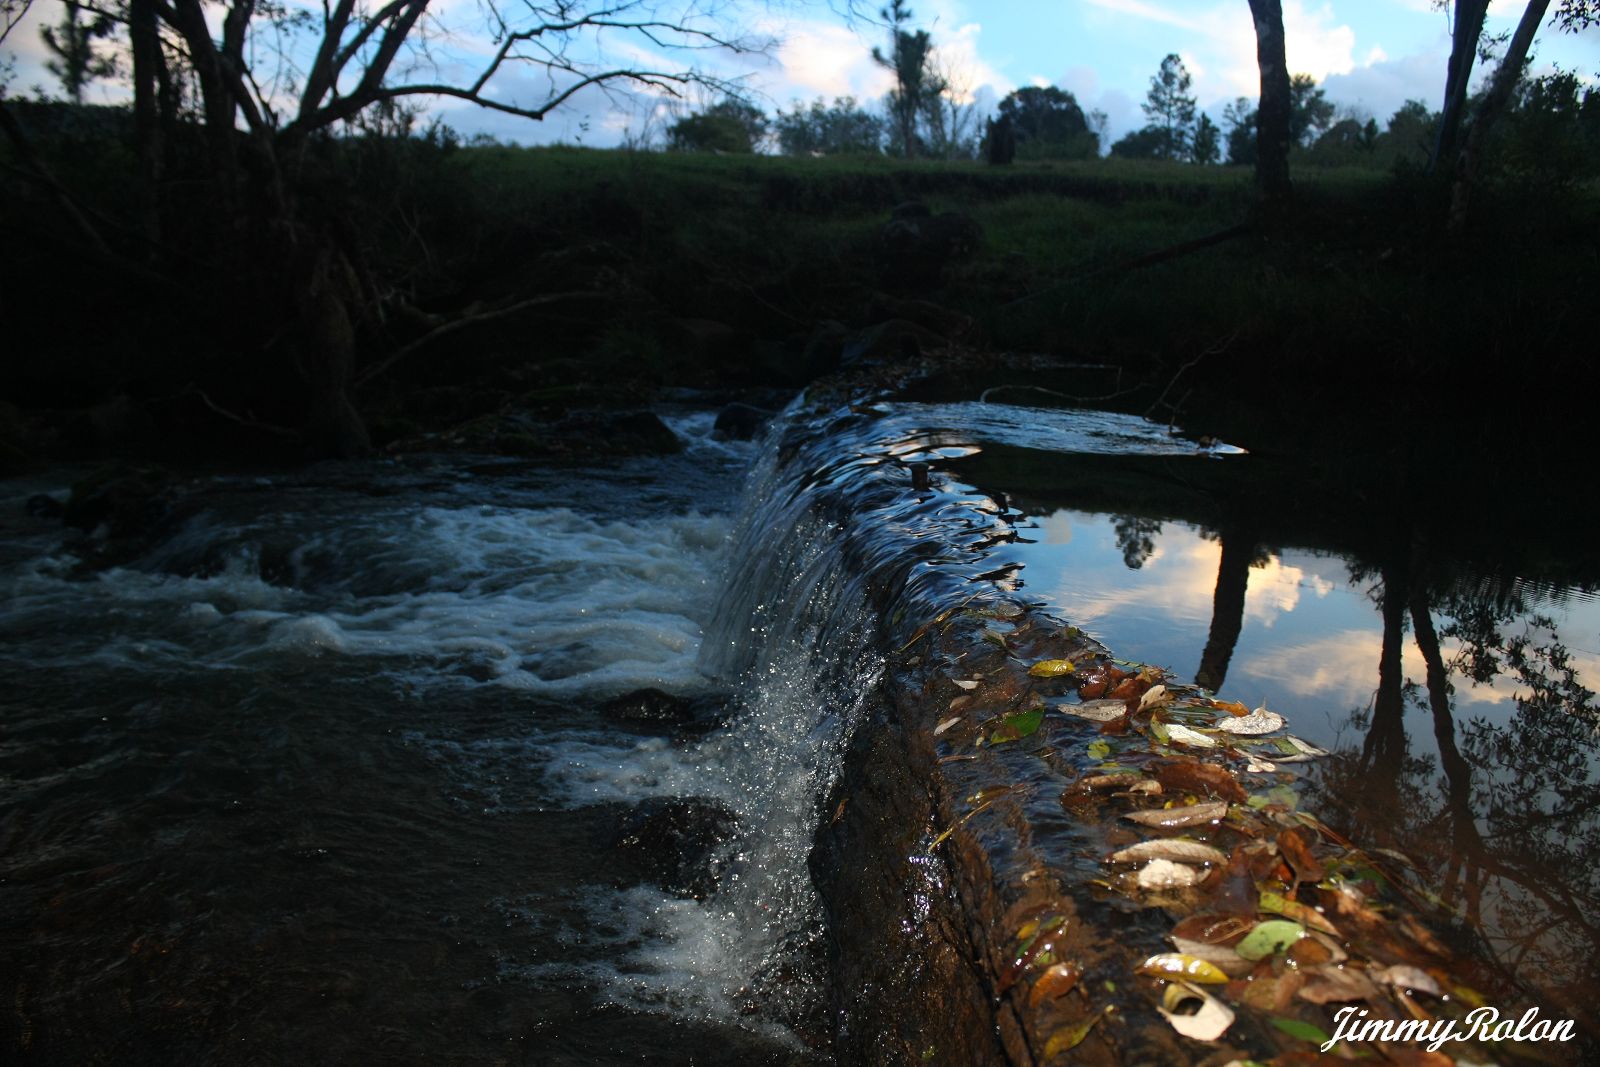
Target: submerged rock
point(655, 711)
point(676, 838)
point(740, 422)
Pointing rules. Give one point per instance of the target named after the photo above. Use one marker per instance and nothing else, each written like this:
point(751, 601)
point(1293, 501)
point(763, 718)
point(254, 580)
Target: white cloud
point(823, 59)
point(968, 71)
point(1222, 57)
point(1381, 87)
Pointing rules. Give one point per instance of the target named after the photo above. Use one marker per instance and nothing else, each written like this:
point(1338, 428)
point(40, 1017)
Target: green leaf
point(1285, 796)
point(1269, 938)
point(1099, 749)
point(1017, 726)
point(1158, 730)
point(1303, 1031)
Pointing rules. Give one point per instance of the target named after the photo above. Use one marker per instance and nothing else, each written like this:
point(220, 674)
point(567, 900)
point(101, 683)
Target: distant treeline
point(1550, 131)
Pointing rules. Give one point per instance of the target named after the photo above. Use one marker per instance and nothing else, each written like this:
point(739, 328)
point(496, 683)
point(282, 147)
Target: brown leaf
point(1172, 818)
point(1177, 850)
point(1211, 929)
point(1334, 984)
point(1232, 889)
point(1309, 952)
point(1205, 779)
point(1054, 983)
point(1297, 851)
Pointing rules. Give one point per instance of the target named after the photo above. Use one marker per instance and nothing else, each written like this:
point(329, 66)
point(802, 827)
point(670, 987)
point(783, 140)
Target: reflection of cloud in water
point(1056, 528)
point(1178, 579)
point(1342, 667)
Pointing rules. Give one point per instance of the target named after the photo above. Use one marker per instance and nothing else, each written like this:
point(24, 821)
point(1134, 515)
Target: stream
point(353, 762)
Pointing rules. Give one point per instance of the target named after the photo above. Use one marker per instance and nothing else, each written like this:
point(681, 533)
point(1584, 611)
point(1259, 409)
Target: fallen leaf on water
point(1206, 1020)
point(1164, 874)
point(967, 683)
point(1109, 781)
point(1404, 976)
point(1269, 938)
point(942, 727)
point(1303, 1031)
point(1096, 710)
point(1297, 850)
point(1098, 749)
point(1051, 668)
point(1177, 850)
point(1313, 951)
point(1259, 721)
point(1068, 1038)
point(1155, 697)
point(1335, 984)
point(1057, 981)
point(1189, 776)
point(1278, 904)
point(1017, 725)
point(1232, 707)
point(1177, 965)
point(1171, 818)
point(1213, 929)
point(1183, 735)
point(1225, 960)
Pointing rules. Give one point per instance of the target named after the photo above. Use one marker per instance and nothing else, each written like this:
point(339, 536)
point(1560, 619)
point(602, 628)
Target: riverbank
point(540, 282)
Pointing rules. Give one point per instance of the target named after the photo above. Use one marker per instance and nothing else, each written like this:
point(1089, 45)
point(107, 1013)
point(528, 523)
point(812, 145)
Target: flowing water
point(325, 770)
point(330, 768)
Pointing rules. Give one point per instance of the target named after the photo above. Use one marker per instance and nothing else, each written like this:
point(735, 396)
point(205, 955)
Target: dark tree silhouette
point(1275, 110)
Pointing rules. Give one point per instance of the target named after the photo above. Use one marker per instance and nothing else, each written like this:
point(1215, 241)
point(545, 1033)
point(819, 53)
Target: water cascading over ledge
point(964, 824)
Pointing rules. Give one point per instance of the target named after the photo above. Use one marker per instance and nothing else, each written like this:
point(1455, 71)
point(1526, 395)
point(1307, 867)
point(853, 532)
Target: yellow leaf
point(1175, 965)
point(1051, 668)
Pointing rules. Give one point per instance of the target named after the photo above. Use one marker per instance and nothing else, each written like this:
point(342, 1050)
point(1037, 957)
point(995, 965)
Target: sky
point(1370, 55)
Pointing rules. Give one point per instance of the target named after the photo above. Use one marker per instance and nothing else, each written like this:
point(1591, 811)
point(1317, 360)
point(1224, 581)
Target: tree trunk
point(1273, 114)
point(1384, 752)
point(1491, 108)
point(1227, 607)
point(326, 356)
point(147, 124)
point(1463, 51)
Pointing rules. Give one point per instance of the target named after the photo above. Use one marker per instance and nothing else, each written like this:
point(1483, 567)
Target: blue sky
point(1371, 55)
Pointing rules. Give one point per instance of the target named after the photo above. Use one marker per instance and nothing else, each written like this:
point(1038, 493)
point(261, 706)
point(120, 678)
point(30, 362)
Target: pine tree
point(1170, 108)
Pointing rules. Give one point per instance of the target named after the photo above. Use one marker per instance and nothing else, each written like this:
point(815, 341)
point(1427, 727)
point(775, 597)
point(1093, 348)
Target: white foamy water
point(506, 603)
point(554, 603)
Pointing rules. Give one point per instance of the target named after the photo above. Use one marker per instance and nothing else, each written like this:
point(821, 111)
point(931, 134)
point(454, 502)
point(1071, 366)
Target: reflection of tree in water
point(1136, 536)
point(1504, 825)
point(1240, 553)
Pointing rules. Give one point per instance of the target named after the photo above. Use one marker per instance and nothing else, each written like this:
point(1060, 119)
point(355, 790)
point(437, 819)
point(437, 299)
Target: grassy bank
point(626, 273)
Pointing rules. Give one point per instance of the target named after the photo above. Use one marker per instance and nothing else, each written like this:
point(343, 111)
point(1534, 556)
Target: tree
point(844, 128)
point(1241, 119)
point(1207, 146)
point(1310, 112)
point(907, 60)
point(1409, 139)
point(1273, 135)
point(1148, 143)
point(730, 125)
point(1573, 15)
point(1465, 35)
point(1170, 108)
point(1049, 124)
point(266, 253)
point(72, 41)
point(949, 113)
